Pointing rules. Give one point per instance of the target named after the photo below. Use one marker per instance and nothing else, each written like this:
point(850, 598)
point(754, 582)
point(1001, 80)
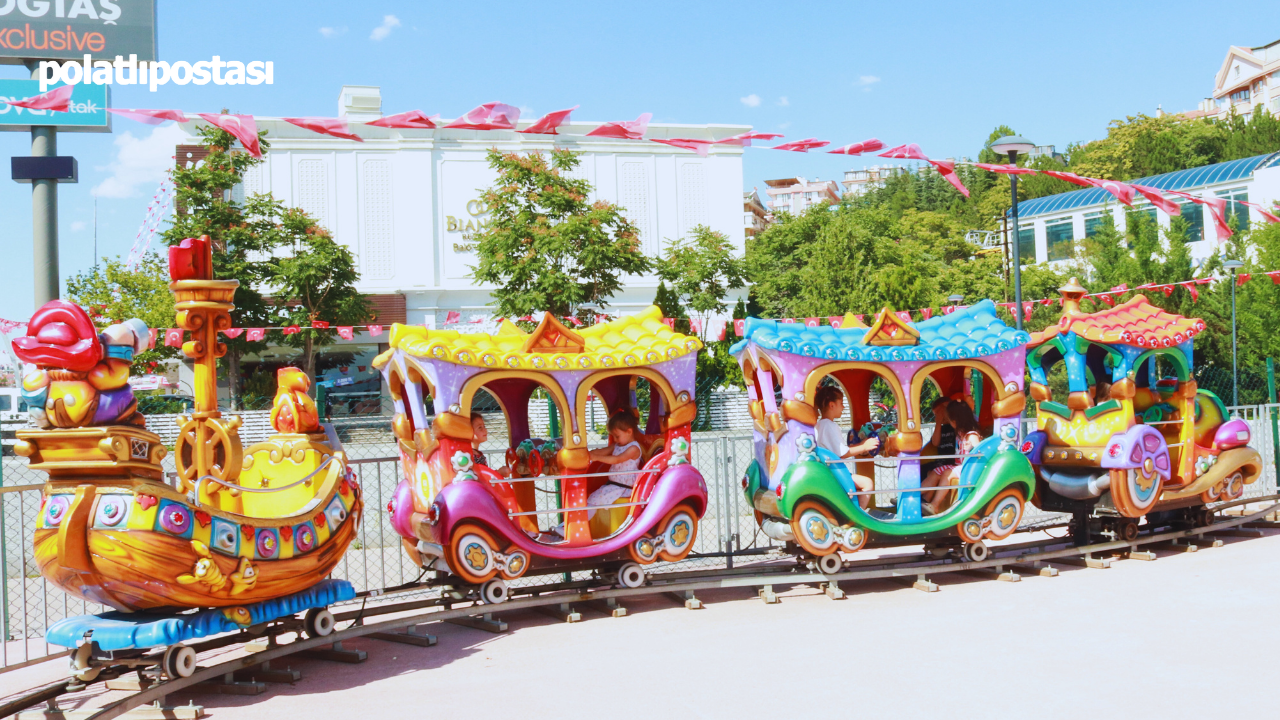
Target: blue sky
point(938, 74)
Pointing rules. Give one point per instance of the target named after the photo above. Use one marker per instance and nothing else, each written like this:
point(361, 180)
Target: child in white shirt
point(829, 403)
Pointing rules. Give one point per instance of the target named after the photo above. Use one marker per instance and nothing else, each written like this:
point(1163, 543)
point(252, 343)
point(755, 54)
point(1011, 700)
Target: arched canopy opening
point(863, 383)
point(973, 381)
point(635, 389)
point(513, 390)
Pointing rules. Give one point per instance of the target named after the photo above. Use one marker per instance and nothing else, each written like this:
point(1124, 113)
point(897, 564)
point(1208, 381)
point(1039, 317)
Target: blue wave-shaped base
point(123, 631)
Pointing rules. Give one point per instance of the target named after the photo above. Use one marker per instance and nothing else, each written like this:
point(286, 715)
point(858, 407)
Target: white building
point(1249, 78)
point(407, 202)
point(858, 182)
point(795, 194)
point(1050, 227)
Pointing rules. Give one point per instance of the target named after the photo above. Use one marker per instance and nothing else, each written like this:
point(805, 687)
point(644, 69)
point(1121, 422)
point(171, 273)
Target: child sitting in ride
point(954, 418)
point(623, 457)
point(829, 402)
point(479, 434)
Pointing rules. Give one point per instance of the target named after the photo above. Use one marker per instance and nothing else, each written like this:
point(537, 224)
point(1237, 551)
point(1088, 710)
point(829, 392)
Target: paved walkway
point(1187, 636)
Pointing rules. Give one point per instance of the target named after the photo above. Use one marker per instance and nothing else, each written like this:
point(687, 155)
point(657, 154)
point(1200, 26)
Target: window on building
point(1240, 95)
point(1059, 236)
point(1236, 208)
point(1027, 244)
point(1193, 216)
point(1094, 223)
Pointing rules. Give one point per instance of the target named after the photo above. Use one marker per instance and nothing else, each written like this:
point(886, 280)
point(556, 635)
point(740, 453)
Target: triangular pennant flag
point(337, 127)
point(698, 146)
point(926, 313)
point(242, 127)
point(1069, 177)
point(787, 320)
point(1106, 298)
point(233, 333)
point(739, 326)
point(572, 321)
point(669, 322)
point(256, 334)
point(1190, 285)
point(802, 145)
point(624, 130)
point(1271, 217)
point(173, 337)
point(948, 309)
point(292, 330)
point(721, 331)
point(57, 99)
point(858, 148)
point(744, 139)
point(346, 332)
point(811, 322)
point(1242, 278)
point(375, 330)
point(150, 117)
point(903, 315)
point(947, 169)
point(910, 151)
point(151, 339)
point(452, 317)
point(1170, 207)
point(695, 326)
point(1027, 308)
point(835, 321)
point(411, 120)
point(1005, 169)
point(320, 324)
point(549, 122)
point(602, 319)
point(490, 116)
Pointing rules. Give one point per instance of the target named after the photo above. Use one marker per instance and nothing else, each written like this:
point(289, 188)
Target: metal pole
point(1235, 375)
point(44, 220)
point(1016, 234)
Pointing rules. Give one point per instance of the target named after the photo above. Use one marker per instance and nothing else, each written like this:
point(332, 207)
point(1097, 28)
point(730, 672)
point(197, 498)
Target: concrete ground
point(1190, 635)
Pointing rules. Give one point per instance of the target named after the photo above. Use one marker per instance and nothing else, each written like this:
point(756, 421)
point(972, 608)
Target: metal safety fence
point(728, 533)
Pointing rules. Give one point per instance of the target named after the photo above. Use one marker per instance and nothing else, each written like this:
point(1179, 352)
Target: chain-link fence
point(721, 449)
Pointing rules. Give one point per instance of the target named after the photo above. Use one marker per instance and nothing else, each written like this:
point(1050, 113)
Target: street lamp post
point(1234, 266)
point(1011, 145)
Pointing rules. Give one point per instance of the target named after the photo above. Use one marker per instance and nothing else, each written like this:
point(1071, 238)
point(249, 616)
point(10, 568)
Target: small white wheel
point(318, 622)
point(81, 669)
point(494, 592)
point(179, 661)
point(975, 552)
point(830, 564)
point(631, 575)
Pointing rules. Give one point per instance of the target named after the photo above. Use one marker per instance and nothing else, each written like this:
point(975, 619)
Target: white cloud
point(78, 225)
point(783, 101)
point(383, 30)
point(333, 31)
point(752, 100)
point(866, 81)
point(140, 161)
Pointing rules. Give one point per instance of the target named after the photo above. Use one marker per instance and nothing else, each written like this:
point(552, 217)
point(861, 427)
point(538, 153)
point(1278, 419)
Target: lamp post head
point(1232, 264)
point(1012, 145)
point(955, 299)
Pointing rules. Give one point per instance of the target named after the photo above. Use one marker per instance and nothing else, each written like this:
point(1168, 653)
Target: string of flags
point(157, 211)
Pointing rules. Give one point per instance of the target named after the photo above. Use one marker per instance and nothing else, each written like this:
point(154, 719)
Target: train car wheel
point(1134, 491)
point(1005, 513)
point(814, 528)
point(318, 622)
point(81, 669)
point(494, 592)
point(516, 563)
point(852, 539)
point(1127, 530)
point(178, 661)
point(1233, 487)
point(970, 530)
point(630, 575)
point(472, 554)
point(679, 530)
point(830, 564)
point(975, 552)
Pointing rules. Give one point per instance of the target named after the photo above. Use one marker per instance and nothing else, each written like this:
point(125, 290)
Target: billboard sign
point(88, 107)
point(71, 29)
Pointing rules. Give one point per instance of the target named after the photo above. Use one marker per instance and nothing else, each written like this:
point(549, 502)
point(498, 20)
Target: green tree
point(315, 281)
point(547, 247)
point(244, 235)
point(702, 270)
point(118, 293)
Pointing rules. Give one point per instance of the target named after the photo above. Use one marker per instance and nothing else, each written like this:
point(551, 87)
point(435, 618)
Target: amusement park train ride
point(243, 537)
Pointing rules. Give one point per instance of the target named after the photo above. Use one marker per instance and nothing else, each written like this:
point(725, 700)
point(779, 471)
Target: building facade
point(858, 182)
point(1051, 227)
point(795, 195)
point(1248, 79)
point(755, 216)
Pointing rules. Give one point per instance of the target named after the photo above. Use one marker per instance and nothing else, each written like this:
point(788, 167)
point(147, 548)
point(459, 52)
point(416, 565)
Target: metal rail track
point(764, 575)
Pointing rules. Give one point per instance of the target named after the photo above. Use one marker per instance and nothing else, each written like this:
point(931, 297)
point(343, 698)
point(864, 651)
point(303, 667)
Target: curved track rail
point(764, 575)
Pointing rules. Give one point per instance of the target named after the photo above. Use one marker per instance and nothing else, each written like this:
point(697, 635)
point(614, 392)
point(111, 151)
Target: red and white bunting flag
point(1170, 207)
point(152, 333)
point(375, 330)
point(739, 326)
point(173, 337)
point(320, 324)
point(478, 320)
point(1217, 208)
point(744, 139)
point(57, 99)
point(947, 169)
point(452, 317)
point(233, 333)
point(292, 330)
point(241, 126)
point(926, 313)
point(1005, 169)
point(624, 129)
point(490, 116)
point(720, 331)
point(811, 322)
point(803, 146)
point(695, 326)
point(1190, 285)
point(602, 319)
point(573, 320)
point(698, 146)
point(1069, 177)
point(1275, 276)
point(835, 321)
point(150, 117)
point(904, 315)
point(858, 148)
point(411, 120)
point(549, 122)
point(948, 309)
point(669, 322)
point(1122, 191)
point(1242, 278)
point(1271, 217)
point(1106, 298)
point(1047, 301)
point(346, 332)
point(1027, 309)
point(1122, 287)
point(336, 127)
point(787, 320)
point(910, 151)
point(256, 334)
